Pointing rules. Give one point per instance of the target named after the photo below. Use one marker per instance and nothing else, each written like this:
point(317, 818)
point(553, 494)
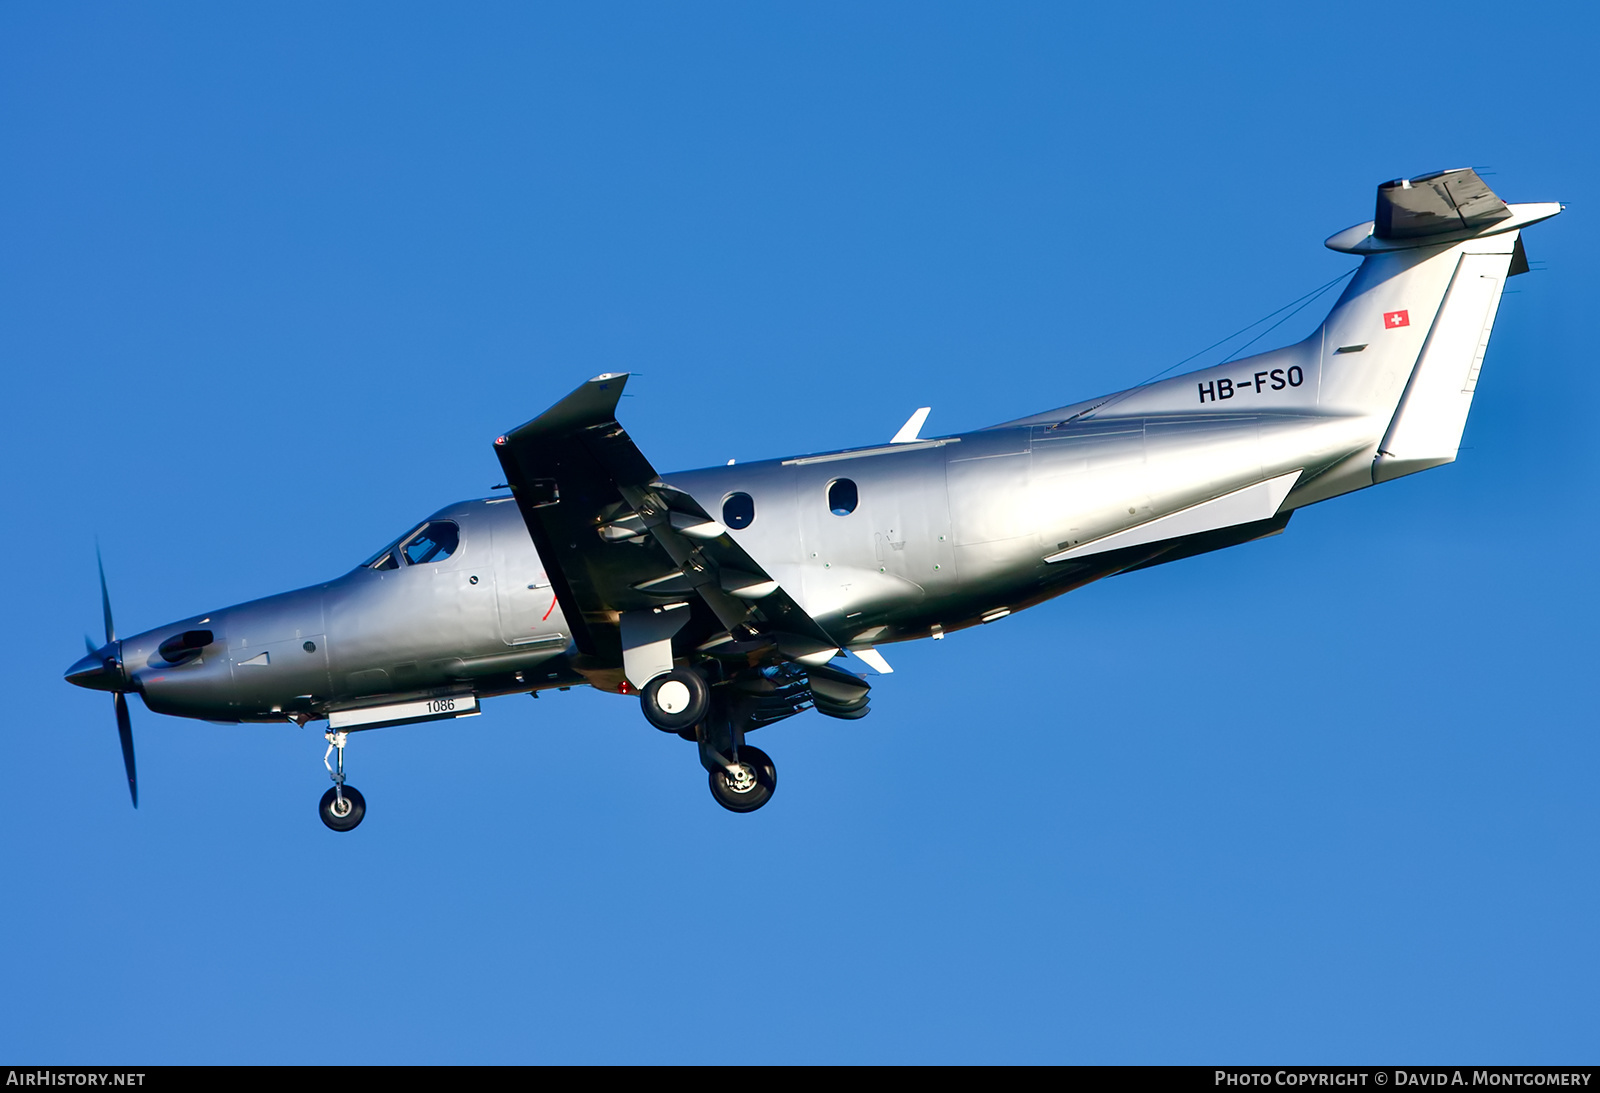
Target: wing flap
point(722, 573)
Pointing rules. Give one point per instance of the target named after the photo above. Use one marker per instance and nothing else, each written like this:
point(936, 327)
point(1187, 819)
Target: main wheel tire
point(752, 789)
point(676, 700)
point(343, 815)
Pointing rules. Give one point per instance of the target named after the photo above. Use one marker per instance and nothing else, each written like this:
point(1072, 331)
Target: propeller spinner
point(102, 670)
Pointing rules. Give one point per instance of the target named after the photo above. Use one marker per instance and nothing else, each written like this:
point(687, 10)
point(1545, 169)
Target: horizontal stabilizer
point(874, 659)
point(1444, 207)
point(1445, 201)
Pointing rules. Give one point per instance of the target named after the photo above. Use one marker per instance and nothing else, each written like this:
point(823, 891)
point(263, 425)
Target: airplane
point(722, 598)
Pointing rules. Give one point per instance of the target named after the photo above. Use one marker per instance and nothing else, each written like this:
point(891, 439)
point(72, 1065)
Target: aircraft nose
point(99, 671)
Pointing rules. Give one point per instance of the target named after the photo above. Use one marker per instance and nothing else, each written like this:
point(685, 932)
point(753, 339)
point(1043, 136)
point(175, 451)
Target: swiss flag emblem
point(1392, 319)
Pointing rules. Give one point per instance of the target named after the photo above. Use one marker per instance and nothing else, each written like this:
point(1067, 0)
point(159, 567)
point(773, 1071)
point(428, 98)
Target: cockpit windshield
point(432, 542)
point(387, 558)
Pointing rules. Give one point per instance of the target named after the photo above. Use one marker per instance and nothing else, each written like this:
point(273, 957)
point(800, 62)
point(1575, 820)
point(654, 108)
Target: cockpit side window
point(433, 543)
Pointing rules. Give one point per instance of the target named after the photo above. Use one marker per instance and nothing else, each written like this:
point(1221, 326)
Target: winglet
point(908, 432)
point(592, 404)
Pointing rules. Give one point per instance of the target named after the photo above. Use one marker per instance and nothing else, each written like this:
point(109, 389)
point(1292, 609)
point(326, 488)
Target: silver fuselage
point(945, 533)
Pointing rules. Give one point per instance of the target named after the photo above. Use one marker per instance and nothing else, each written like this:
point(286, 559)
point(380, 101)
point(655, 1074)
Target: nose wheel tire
point(749, 786)
point(342, 814)
point(676, 700)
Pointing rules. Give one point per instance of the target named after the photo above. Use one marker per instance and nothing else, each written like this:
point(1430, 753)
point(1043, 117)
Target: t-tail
point(1392, 370)
point(1437, 255)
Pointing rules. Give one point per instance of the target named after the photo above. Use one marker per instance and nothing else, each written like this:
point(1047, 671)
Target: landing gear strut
point(342, 807)
point(742, 777)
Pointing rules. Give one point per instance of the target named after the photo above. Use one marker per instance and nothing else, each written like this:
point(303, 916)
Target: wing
point(617, 542)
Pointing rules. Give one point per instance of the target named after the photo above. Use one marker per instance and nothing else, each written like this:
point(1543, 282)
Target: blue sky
point(275, 278)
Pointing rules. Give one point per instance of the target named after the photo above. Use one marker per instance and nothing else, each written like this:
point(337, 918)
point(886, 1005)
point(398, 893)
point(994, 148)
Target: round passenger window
point(842, 497)
point(739, 510)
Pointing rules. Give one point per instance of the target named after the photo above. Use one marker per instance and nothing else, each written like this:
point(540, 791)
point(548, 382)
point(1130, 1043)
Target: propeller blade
point(125, 733)
point(88, 643)
point(105, 597)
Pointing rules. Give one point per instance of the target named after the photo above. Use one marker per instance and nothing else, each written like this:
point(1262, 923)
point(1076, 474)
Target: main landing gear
point(747, 783)
point(681, 701)
point(677, 700)
point(342, 807)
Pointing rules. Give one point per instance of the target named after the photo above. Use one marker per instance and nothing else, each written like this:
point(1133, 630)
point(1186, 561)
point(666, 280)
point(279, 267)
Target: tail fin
point(1437, 254)
point(1392, 369)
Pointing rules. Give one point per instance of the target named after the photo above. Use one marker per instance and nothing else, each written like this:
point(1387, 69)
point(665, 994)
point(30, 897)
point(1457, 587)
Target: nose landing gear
point(342, 807)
